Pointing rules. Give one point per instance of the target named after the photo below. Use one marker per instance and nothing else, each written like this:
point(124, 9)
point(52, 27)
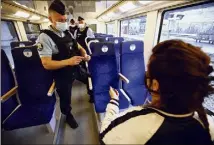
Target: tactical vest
point(72, 29)
point(81, 35)
point(68, 48)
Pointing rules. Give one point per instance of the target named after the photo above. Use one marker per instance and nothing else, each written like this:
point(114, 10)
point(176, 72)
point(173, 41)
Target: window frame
point(12, 26)
point(32, 23)
point(107, 27)
point(177, 8)
point(145, 15)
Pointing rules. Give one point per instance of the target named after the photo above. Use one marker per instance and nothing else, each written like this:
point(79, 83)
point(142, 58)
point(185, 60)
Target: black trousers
point(64, 87)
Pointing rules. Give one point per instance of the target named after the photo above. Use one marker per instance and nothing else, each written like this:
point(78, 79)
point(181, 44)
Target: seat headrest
point(116, 40)
point(21, 44)
point(132, 47)
point(102, 48)
point(28, 52)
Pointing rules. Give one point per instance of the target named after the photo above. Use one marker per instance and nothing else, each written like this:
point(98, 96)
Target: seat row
point(26, 90)
point(120, 65)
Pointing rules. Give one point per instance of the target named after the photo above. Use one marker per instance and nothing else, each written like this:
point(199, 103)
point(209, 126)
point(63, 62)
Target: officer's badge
point(70, 45)
point(39, 46)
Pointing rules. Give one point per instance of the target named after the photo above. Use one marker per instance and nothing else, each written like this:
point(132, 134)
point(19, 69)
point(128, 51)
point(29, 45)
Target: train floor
point(82, 110)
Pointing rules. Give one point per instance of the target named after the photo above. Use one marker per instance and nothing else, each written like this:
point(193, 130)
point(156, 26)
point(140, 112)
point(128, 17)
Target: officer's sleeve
point(90, 33)
point(44, 45)
point(75, 34)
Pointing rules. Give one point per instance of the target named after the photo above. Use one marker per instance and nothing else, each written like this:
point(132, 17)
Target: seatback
point(7, 83)
point(100, 39)
point(103, 67)
point(116, 40)
point(117, 43)
point(106, 37)
point(21, 44)
point(132, 63)
point(33, 80)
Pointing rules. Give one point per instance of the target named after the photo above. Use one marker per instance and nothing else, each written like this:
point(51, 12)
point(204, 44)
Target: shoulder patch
point(39, 46)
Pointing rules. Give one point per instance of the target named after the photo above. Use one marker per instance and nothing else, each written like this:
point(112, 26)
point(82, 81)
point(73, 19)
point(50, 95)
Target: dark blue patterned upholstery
point(117, 43)
point(104, 72)
point(30, 115)
point(21, 43)
point(7, 83)
point(100, 39)
point(33, 84)
point(34, 81)
point(132, 66)
point(105, 36)
point(117, 46)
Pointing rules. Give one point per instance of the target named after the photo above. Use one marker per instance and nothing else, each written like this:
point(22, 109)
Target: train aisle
point(82, 110)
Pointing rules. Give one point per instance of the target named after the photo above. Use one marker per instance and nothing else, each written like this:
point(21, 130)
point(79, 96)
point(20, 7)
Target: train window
point(193, 24)
point(8, 35)
point(133, 29)
point(32, 30)
point(110, 28)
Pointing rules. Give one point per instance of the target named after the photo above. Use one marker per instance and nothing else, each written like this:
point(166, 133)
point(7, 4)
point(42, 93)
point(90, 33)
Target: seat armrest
point(122, 77)
point(51, 90)
point(9, 94)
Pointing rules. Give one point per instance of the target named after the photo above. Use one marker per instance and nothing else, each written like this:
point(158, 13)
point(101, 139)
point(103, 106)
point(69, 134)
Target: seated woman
point(178, 81)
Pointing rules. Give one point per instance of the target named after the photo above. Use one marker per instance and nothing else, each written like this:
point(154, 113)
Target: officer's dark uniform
point(64, 77)
point(73, 29)
point(81, 35)
point(61, 46)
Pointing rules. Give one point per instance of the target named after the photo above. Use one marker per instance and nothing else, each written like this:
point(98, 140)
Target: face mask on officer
point(81, 26)
point(73, 25)
point(61, 26)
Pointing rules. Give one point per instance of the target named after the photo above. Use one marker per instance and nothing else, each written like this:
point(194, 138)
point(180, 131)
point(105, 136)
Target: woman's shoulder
point(139, 122)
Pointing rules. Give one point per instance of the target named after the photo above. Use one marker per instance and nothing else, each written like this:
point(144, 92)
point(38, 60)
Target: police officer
point(73, 27)
point(61, 54)
point(82, 32)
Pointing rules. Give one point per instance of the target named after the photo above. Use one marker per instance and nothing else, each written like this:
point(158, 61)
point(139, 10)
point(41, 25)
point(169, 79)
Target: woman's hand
point(113, 93)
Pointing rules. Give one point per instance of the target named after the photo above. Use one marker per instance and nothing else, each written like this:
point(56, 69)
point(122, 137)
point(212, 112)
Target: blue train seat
point(9, 102)
point(132, 66)
point(88, 40)
point(106, 37)
point(117, 45)
point(21, 44)
point(104, 73)
point(100, 39)
point(116, 40)
point(34, 83)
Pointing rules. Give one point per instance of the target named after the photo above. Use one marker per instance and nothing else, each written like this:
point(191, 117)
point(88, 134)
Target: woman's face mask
point(61, 26)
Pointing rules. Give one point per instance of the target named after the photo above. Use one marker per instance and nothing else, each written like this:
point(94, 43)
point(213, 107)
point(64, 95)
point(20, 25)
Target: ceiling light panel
point(22, 14)
point(127, 6)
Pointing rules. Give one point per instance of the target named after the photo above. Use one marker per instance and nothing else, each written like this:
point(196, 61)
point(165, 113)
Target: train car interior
point(117, 41)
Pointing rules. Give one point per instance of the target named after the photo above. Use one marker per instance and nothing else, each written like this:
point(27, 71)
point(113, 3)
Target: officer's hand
point(75, 60)
point(87, 57)
point(113, 93)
